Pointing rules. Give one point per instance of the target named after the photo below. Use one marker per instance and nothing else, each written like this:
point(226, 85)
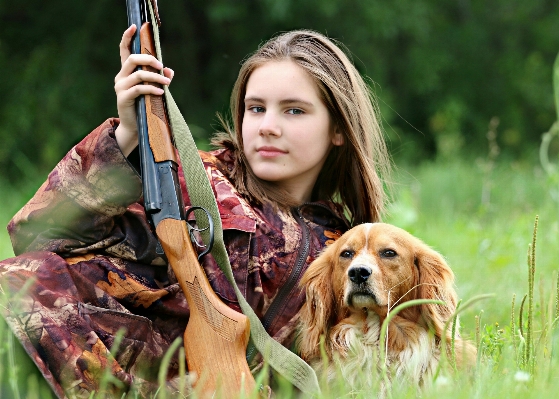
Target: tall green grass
point(482, 220)
point(485, 243)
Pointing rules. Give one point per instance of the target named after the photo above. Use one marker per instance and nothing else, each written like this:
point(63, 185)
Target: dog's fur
point(350, 289)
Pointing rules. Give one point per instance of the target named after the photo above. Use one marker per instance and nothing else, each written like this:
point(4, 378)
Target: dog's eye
point(348, 254)
point(388, 253)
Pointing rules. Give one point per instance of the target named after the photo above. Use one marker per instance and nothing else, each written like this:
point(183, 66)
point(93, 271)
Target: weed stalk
point(453, 338)
point(513, 329)
point(529, 357)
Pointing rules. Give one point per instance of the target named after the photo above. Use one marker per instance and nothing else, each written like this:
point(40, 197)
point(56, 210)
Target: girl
point(300, 164)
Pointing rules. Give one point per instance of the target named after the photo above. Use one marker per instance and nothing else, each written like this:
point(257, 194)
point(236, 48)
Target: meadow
point(480, 215)
point(478, 210)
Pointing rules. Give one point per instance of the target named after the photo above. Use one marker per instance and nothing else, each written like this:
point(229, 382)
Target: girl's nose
point(269, 125)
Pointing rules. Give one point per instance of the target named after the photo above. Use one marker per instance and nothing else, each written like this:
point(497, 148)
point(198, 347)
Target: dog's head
point(375, 267)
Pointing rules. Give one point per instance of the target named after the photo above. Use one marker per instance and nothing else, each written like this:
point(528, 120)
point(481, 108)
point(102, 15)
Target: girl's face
point(287, 130)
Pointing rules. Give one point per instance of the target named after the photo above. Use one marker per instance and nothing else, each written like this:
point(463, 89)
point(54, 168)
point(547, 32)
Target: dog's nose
point(359, 274)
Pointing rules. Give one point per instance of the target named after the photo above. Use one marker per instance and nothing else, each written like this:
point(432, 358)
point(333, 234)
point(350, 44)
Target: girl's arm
point(89, 203)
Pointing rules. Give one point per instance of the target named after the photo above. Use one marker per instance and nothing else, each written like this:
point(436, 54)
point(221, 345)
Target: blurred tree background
point(442, 69)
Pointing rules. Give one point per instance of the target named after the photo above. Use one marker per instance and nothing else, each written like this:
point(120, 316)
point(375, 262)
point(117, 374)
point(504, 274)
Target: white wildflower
point(522, 376)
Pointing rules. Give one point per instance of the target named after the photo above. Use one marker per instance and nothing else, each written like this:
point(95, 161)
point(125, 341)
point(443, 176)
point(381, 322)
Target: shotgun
point(216, 336)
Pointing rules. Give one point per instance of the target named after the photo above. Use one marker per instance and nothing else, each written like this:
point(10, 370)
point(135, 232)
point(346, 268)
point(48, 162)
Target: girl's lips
point(270, 152)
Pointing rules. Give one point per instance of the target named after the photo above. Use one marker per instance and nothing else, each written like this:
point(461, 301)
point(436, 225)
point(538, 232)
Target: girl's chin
point(268, 174)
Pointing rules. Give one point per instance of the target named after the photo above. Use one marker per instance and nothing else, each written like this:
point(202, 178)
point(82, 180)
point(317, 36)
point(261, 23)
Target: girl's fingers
point(168, 72)
point(124, 45)
point(136, 60)
point(127, 97)
point(137, 78)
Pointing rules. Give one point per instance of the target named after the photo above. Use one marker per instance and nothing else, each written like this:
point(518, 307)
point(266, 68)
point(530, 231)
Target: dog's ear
point(319, 310)
point(436, 281)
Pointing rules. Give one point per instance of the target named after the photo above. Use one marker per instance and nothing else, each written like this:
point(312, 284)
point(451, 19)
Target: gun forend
point(157, 120)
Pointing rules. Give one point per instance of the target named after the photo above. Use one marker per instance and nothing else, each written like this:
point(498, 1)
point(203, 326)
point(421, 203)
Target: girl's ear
point(319, 309)
point(338, 137)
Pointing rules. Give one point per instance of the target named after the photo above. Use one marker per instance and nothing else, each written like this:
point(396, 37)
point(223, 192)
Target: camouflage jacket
point(88, 262)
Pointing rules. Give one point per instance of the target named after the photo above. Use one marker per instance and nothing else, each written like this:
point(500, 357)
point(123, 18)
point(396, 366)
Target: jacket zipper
point(286, 289)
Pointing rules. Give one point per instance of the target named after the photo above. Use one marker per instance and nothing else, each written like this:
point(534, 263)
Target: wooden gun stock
point(216, 336)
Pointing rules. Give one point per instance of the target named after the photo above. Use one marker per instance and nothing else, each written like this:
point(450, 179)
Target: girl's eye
point(256, 109)
point(295, 111)
point(388, 253)
point(347, 254)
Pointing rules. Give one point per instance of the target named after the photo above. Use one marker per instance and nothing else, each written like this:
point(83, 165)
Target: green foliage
point(442, 69)
point(492, 343)
point(547, 139)
point(556, 85)
point(56, 85)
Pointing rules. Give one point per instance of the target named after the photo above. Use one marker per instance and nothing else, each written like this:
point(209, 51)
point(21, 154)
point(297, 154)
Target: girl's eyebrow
point(253, 99)
point(282, 102)
point(296, 101)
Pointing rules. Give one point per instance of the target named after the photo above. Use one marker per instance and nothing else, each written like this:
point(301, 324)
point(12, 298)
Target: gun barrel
point(150, 177)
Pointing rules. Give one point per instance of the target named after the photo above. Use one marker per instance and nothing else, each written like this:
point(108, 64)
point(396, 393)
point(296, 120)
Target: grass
point(482, 220)
point(486, 244)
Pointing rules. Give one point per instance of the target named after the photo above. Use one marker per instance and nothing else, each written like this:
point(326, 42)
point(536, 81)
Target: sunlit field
point(480, 216)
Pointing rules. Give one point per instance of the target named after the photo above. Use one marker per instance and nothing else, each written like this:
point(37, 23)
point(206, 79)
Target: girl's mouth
point(270, 152)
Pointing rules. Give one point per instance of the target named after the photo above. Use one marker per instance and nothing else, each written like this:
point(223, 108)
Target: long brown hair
point(351, 173)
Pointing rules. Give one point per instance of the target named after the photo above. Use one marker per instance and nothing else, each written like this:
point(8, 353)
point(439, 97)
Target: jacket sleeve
point(89, 203)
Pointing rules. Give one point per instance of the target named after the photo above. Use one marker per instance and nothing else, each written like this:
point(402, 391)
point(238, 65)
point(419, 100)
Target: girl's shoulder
point(221, 160)
point(235, 210)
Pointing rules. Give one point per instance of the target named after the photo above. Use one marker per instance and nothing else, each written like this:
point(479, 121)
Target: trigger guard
point(209, 246)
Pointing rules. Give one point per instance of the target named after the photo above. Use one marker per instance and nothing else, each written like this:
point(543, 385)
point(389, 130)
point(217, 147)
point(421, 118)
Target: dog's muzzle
point(359, 274)
point(360, 294)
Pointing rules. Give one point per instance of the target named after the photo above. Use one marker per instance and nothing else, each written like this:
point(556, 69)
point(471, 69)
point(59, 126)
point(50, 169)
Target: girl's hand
point(129, 85)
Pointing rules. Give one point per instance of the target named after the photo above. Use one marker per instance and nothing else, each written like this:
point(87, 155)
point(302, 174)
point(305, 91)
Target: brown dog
point(353, 285)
